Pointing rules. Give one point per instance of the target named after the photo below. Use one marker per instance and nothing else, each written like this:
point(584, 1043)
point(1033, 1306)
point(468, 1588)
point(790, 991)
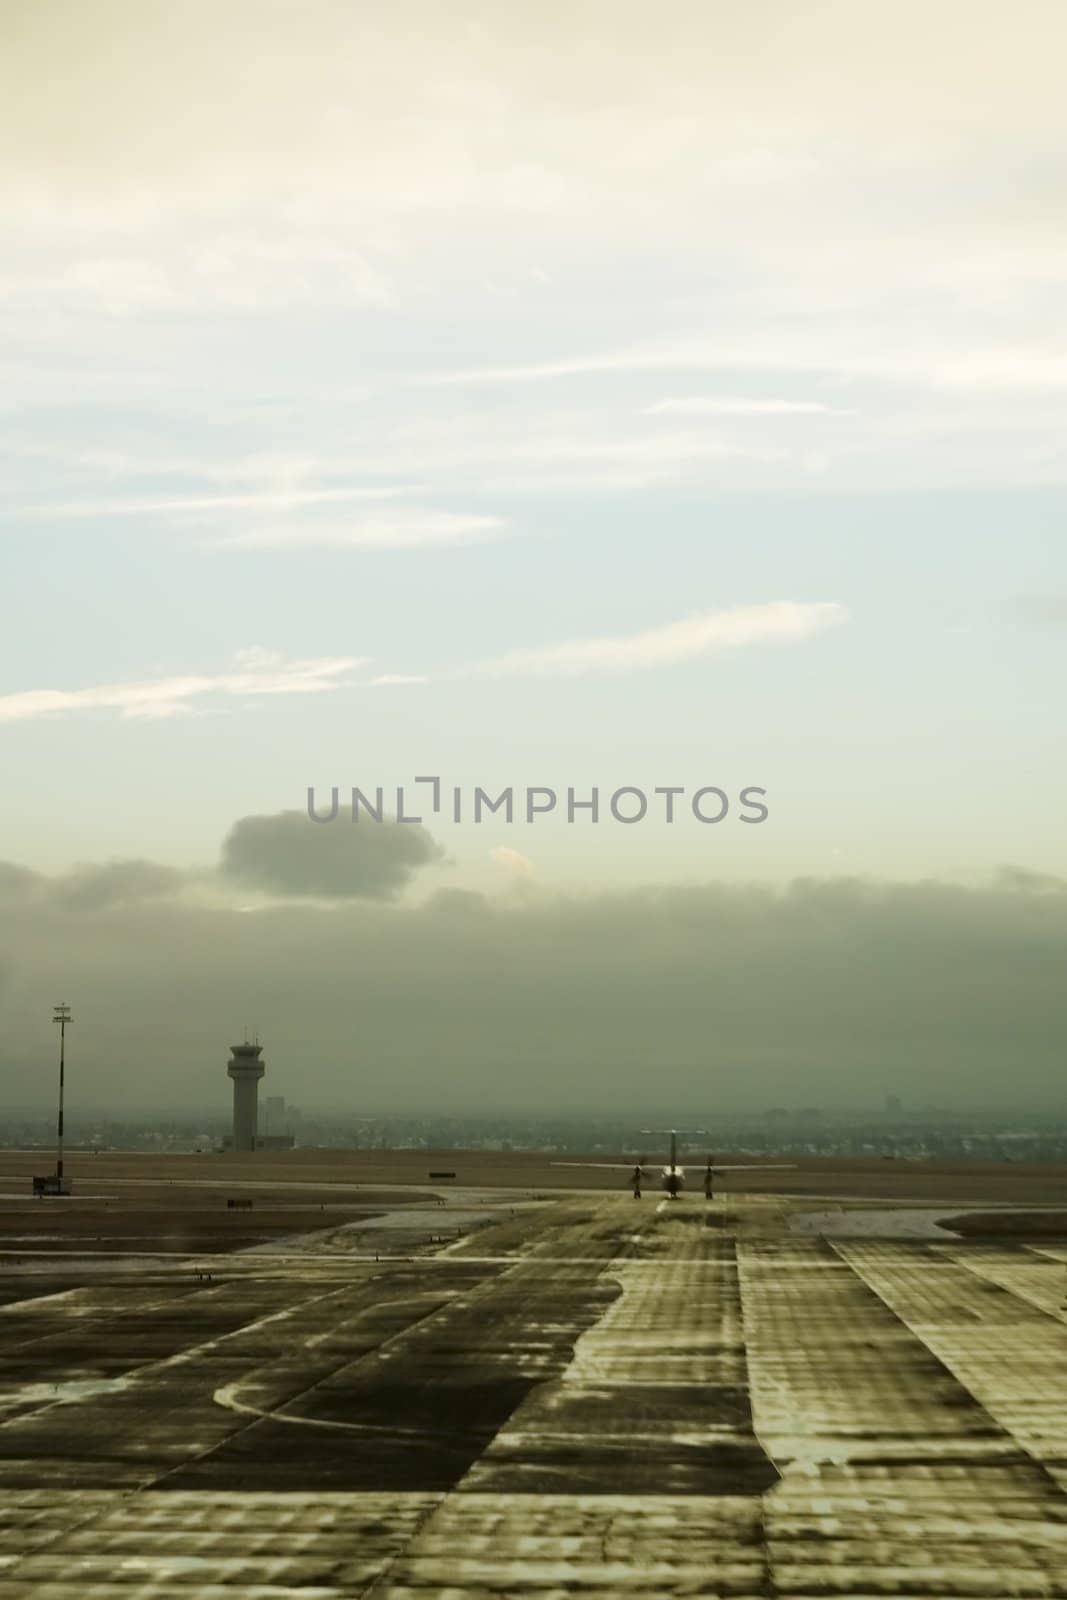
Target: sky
point(571, 397)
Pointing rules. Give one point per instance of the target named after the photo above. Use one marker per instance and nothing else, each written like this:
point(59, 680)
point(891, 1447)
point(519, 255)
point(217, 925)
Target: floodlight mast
point(61, 1014)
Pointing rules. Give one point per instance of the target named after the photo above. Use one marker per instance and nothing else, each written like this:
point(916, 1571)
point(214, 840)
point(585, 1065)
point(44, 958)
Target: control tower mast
point(246, 1069)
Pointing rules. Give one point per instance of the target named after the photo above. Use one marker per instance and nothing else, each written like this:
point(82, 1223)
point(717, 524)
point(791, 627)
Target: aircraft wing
point(689, 1164)
point(752, 1166)
point(616, 1166)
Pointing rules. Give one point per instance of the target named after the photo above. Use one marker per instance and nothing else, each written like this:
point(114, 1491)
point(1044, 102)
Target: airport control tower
point(246, 1069)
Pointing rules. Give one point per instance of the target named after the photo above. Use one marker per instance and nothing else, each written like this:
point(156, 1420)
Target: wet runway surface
point(587, 1396)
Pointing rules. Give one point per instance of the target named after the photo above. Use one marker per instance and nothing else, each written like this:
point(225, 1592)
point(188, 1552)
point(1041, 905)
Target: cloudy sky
point(547, 395)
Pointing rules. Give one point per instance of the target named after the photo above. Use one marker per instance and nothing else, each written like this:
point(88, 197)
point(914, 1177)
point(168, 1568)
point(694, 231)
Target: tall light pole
point(61, 1014)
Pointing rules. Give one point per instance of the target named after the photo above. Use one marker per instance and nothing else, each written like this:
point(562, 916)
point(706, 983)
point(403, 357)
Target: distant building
point(274, 1114)
point(246, 1069)
point(893, 1105)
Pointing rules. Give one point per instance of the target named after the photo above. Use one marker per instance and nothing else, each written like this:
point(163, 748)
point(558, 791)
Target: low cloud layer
point(117, 883)
point(688, 997)
point(91, 887)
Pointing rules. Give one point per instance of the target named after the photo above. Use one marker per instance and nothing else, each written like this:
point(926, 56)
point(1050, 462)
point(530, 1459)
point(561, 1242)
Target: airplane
point(672, 1177)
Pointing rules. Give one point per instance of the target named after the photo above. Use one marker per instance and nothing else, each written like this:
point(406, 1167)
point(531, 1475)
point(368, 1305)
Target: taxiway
point(580, 1395)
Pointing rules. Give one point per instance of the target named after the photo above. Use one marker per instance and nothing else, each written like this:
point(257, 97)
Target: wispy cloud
point(179, 505)
point(630, 360)
point(386, 531)
point(170, 273)
point(726, 405)
point(254, 672)
point(1033, 364)
point(229, 519)
point(779, 622)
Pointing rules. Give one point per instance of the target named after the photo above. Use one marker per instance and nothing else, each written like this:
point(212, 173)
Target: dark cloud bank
point(288, 854)
point(826, 991)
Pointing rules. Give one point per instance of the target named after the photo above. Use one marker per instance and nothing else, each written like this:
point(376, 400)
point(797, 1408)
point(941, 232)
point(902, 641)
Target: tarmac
point(509, 1396)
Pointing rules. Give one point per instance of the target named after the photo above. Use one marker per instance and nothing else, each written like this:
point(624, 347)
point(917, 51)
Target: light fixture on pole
point(61, 1014)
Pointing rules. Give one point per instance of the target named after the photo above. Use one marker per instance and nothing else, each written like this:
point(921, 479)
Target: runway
point(586, 1396)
